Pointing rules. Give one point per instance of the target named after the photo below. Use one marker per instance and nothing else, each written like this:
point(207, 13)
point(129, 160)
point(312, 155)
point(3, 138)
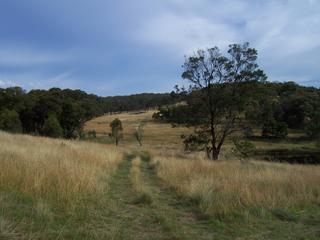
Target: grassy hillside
point(156, 135)
point(166, 139)
point(57, 189)
point(45, 184)
point(228, 187)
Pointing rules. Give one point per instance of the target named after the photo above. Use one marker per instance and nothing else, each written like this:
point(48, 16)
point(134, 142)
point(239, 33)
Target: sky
point(122, 47)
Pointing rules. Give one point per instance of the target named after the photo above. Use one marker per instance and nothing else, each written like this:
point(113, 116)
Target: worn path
point(166, 217)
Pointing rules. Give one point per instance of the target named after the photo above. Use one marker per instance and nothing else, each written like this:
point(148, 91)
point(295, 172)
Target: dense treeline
point(273, 108)
point(62, 113)
point(286, 105)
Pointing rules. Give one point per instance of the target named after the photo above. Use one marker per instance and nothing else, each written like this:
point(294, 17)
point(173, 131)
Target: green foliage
point(143, 199)
point(276, 129)
point(71, 107)
point(92, 134)
point(9, 121)
point(288, 103)
point(220, 89)
point(313, 126)
point(285, 215)
point(175, 114)
point(145, 156)
point(51, 127)
point(243, 147)
point(248, 131)
point(72, 119)
point(116, 130)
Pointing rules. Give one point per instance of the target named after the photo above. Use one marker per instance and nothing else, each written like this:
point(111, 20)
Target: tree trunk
point(215, 154)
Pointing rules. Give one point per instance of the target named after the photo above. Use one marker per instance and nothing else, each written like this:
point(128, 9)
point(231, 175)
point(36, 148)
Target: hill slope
point(57, 189)
point(156, 134)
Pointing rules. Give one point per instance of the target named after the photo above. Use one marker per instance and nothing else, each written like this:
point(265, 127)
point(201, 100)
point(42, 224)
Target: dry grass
point(54, 169)
point(156, 135)
point(164, 138)
point(225, 187)
point(8, 230)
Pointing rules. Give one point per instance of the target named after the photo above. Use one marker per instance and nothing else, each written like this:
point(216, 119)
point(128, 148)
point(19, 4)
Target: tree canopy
point(229, 93)
point(34, 110)
point(219, 92)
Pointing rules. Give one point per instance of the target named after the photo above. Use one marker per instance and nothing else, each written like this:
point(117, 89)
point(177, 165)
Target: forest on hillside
point(275, 108)
point(62, 113)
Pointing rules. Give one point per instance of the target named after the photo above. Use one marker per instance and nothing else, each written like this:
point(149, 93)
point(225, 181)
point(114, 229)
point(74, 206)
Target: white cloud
point(4, 83)
point(36, 80)
point(286, 33)
point(112, 40)
point(186, 34)
point(30, 57)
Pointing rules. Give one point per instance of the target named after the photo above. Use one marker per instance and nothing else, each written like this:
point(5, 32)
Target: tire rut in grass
point(178, 215)
point(119, 217)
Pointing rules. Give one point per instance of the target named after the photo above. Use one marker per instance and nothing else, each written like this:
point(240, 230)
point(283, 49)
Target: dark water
point(290, 156)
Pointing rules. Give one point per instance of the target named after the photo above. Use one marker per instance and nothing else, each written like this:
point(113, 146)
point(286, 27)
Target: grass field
point(44, 183)
point(228, 187)
point(167, 140)
point(58, 189)
point(156, 135)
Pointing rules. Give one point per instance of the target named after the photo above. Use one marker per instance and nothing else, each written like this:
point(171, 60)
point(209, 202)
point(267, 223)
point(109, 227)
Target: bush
point(248, 132)
point(313, 127)
point(116, 130)
point(51, 127)
point(243, 147)
point(10, 121)
point(276, 129)
point(92, 134)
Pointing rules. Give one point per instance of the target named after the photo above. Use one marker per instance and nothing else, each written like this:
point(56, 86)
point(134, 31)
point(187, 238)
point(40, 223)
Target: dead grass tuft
point(231, 186)
point(54, 169)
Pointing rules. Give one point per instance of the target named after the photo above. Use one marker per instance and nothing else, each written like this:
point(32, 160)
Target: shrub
point(275, 129)
point(92, 134)
point(313, 127)
point(116, 130)
point(51, 127)
point(10, 121)
point(243, 147)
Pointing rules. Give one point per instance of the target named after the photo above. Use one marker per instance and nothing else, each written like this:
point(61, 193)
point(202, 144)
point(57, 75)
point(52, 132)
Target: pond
point(299, 156)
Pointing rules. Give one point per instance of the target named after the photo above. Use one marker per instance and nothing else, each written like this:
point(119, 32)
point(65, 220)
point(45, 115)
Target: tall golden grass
point(62, 170)
point(225, 187)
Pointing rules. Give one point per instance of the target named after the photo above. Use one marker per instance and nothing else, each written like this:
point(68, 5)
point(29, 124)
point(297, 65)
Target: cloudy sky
point(119, 47)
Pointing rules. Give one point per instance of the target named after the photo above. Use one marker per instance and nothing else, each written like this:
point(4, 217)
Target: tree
point(275, 128)
point(10, 121)
point(220, 88)
point(92, 134)
point(116, 130)
point(51, 127)
point(138, 133)
point(313, 127)
point(72, 119)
